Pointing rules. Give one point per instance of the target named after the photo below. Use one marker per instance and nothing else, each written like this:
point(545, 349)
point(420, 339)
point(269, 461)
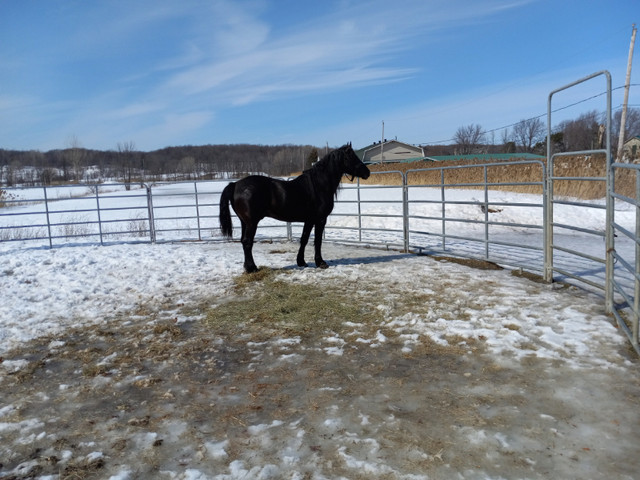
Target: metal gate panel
point(580, 261)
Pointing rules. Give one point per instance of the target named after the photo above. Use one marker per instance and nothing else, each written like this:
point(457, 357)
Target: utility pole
point(382, 145)
point(623, 117)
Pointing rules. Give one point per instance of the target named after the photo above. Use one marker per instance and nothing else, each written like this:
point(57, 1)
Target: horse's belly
point(289, 216)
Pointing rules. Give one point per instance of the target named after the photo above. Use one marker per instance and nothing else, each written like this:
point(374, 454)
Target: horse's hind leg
point(248, 234)
point(304, 239)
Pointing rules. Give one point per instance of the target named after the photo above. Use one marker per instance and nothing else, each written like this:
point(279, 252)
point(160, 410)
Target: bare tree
point(76, 155)
point(126, 154)
point(527, 133)
point(312, 158)
point(468, 138)
point(582, 133)
point(508, 145)
point(187, 167)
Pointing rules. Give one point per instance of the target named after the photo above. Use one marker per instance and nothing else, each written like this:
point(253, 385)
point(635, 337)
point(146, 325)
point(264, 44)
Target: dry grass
point(270, 304)
point(521, 178)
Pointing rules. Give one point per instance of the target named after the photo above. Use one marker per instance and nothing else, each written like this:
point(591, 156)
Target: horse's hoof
point(302, 264)
point(251, 269)
point(322, 265)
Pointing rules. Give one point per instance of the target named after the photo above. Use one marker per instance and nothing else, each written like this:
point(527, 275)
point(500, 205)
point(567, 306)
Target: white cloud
point(249, 61)
point(228, 54)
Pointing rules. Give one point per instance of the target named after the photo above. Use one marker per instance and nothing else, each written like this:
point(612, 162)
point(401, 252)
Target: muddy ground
point(150, 396)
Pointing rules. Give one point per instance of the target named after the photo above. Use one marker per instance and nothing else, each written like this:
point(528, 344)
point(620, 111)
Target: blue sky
point(193, 72)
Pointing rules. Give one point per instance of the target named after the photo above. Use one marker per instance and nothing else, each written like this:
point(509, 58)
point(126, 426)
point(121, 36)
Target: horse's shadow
point(368, 260)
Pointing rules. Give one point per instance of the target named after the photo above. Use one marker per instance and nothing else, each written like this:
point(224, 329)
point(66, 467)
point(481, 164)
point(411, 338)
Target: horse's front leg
point(248, 234)
point(304, 239)
point(320, 263)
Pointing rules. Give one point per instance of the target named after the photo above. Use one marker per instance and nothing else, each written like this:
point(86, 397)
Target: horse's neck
point(328, 179)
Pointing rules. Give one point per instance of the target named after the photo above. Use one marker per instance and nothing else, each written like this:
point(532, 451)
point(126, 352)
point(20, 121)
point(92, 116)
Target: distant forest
point(127, 165)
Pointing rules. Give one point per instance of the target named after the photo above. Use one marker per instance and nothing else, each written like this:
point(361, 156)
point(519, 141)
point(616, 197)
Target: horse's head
point(352, 165)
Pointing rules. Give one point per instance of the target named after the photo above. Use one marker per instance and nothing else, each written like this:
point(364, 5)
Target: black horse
point(308, 198)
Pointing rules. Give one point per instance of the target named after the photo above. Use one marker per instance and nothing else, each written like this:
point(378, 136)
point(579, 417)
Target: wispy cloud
point(166, 67)
point(250, 60)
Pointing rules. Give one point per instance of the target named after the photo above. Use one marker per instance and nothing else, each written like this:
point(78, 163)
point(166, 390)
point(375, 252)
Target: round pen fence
point(426, 211)
point(516, 214)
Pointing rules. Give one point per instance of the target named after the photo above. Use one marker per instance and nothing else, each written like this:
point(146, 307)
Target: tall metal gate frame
point(619, 302)
point(550, 225)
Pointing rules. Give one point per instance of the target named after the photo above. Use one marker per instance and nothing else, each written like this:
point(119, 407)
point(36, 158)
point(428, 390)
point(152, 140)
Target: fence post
point(97, 187)
point(610, 212)
point(195, 189)
point(359, 212)
point(152, 226)
point(405, 210)
point(46, 208)
point(548, 224)
point(636, 282)
point(443, 210)
point(486, 214)
point(547, 203)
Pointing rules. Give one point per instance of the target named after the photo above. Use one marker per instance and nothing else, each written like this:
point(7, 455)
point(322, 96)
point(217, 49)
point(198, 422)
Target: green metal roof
point(487, 157)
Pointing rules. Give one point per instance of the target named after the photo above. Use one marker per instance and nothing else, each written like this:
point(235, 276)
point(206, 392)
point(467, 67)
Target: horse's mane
point(326, 173)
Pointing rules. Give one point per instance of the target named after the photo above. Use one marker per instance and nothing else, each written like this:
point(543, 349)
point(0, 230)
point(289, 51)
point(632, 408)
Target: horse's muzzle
point(362, 171)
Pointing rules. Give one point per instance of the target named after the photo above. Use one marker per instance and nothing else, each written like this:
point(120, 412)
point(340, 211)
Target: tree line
point(128, 165)
point(587, 132)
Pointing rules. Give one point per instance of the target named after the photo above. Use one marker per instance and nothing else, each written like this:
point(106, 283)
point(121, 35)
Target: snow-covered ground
point(467, 373)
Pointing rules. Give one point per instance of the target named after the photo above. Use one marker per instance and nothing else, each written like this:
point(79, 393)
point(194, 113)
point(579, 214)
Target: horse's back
point(259, 196)
point(258, 188)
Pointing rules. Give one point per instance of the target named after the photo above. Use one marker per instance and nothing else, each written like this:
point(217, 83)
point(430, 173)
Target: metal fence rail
point(54, 216)
point(556, 229)
point(427, 218)
point(372, 214)
point(437, 232)
point(59, 215)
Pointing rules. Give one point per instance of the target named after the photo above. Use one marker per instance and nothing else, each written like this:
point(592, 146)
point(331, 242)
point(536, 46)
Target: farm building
point(390, 152)
point(394, 151)
point(631, 149)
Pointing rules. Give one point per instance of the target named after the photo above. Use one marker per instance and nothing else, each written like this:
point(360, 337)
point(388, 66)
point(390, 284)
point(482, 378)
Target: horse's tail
point(225, 215)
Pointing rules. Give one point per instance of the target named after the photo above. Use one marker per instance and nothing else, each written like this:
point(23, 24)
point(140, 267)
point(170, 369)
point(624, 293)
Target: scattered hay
point(173, 330)
point(85, 468)
point(95, 370)
point(272, 304)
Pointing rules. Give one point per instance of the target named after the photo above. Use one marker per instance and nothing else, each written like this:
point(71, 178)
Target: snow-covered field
point(109, 370)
